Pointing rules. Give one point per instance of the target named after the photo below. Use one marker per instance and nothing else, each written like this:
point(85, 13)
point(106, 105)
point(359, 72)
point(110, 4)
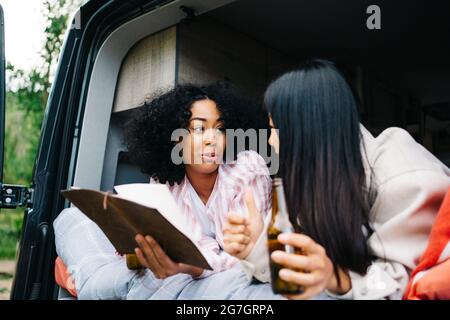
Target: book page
point(157, 196)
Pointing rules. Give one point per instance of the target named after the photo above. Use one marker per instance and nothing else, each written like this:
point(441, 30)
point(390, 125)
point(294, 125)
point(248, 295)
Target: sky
point(24, 31)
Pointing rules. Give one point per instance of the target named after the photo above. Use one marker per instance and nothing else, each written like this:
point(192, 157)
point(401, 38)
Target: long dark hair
point(316, 114)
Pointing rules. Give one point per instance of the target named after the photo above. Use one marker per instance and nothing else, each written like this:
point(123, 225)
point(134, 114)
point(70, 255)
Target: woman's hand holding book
point(152, 256)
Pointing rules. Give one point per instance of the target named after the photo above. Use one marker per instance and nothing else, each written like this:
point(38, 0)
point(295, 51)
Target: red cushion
point(63, 278)
point(434, 285)
point(431, 278)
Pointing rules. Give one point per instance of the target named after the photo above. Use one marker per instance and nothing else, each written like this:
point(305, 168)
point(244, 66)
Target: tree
point(28, 92)
point(26, 98)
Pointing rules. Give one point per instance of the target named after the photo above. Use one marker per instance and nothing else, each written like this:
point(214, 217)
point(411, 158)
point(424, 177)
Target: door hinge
point(13, 196)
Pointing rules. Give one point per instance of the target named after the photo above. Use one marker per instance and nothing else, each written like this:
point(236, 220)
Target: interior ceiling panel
point(412, 47)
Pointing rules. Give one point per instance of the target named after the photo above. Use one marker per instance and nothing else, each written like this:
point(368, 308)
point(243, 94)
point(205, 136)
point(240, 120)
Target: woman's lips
point(209, 157)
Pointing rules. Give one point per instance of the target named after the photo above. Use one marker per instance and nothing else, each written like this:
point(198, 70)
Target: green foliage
point(10, 227)
point(28, 93)
point(21, 139)
point(26, 99)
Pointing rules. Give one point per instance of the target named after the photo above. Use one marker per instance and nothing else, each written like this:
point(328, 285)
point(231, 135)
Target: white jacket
point(407, 186)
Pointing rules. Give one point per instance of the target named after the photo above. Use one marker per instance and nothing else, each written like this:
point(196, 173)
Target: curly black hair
point(147, 133)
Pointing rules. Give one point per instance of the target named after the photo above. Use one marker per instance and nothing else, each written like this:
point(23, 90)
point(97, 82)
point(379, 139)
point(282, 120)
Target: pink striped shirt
point(248, 170)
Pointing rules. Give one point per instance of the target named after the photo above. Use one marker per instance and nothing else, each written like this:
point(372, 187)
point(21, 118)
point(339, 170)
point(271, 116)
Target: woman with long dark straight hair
point(362, 206)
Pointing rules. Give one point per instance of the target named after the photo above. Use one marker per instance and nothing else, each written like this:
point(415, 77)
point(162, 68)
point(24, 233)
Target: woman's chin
point(206, 168)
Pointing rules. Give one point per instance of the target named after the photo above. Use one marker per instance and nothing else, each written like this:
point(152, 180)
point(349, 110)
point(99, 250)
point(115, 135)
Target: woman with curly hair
point(205, 187)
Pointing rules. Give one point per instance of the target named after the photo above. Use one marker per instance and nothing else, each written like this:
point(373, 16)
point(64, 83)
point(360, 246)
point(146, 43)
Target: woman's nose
point(209, 136)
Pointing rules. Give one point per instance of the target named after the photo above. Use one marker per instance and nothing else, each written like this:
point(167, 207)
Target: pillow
point(431, 278)
point(63, 278)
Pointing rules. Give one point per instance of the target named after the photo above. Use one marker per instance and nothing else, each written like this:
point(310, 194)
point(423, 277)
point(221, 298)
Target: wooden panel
point(200, 52)
point(148, 68)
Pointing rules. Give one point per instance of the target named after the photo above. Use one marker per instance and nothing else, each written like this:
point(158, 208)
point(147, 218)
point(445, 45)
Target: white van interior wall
point(202, 51)
point(148, 67)
point(99, 103)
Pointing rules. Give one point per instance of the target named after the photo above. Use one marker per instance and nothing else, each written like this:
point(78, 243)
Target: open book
point(147, 209)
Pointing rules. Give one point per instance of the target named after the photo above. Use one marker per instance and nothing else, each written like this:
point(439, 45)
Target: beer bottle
point(133, 262)
point(280, 224)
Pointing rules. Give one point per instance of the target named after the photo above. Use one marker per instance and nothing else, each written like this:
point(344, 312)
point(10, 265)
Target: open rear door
point(11, 196)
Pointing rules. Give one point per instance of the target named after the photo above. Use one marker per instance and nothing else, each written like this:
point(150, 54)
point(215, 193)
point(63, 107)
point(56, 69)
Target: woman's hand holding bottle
point(312, 270)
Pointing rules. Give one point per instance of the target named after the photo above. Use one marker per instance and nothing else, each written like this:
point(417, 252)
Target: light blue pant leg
point(145, 286)
point(99, 273)
point(232, 284)
point(225, 285)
